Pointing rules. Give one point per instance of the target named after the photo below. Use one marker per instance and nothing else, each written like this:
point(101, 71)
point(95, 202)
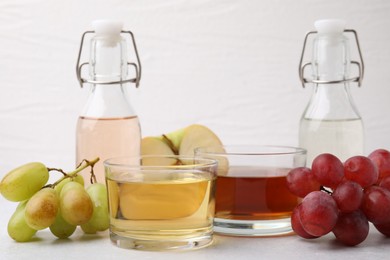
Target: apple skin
point(175, 137)
point(180, 142)
point(152, 145)
point(196, 136)
point(183, 142)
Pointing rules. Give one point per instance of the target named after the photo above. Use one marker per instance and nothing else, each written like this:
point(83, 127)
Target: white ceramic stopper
point(107, 27)
point(330, 26)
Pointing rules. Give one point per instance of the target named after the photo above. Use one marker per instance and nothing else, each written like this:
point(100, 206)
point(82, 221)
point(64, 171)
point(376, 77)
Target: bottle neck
point(331, 57)
point(107, 64)
point(331, 102)
point(331, 63)
point(108, 58)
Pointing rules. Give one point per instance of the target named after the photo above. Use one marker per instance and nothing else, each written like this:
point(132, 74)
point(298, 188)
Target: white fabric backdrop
point(231, 65)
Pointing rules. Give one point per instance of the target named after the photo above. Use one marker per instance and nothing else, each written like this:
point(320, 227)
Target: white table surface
point(81, 246)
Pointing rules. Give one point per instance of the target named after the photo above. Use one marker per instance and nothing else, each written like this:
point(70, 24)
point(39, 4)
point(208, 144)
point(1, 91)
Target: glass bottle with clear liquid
point(331, 122)
point(108, 125)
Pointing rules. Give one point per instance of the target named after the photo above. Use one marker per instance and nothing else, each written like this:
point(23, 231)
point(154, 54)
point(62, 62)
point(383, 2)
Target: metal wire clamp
point(360, 65)
point(137, 66)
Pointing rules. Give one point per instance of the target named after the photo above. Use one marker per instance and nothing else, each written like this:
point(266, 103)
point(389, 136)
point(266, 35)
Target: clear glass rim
point(201, 162)
point(249, 150)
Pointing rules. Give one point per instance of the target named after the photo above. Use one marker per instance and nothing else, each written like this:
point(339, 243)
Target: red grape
point(383, 228)
point(348, 196)
point(328, 170)
point(301, 181)
point(318, 213)
point(376, 204)
point(381, 159)
point(342, 198)
point(297, 225)
point(385, 183)
point(362, 170)
point(351, 228)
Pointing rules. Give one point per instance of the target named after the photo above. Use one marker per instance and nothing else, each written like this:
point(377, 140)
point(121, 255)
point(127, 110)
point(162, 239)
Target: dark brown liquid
point(253, 198)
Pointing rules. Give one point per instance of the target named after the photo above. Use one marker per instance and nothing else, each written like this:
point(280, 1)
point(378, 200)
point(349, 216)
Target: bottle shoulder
point(108, 102)
point(331, 102)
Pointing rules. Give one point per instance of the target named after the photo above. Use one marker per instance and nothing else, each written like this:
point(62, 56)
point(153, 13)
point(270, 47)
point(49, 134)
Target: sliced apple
point(156, 146)
point(153, 201)
point(198, 136)
point(183, 142)
point(174, 139)
point(159, 200)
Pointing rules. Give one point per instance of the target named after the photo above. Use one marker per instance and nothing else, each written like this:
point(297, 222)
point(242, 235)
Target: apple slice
point(156, 146)
point(161, 200)
point(198, 136)
point(182, 142)
point(173, 139)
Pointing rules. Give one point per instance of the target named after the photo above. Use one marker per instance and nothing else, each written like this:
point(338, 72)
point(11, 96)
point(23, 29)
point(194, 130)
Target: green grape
point(100, 220)
point(62, 229)
point(79, 179)
point(23, 182)
point(41, 210)
point(17, 226)
point(75, 204)
point(60, 185)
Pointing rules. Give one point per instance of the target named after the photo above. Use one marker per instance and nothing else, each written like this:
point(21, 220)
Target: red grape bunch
point(342, 198)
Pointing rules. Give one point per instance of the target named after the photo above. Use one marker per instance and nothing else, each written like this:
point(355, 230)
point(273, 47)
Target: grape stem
point(84, 164)
point(93, 177)
point(57, 170)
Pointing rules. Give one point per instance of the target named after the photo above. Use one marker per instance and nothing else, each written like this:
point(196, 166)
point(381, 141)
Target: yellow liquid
point(164, 208)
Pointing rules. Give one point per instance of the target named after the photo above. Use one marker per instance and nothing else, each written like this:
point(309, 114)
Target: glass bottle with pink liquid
point(108, 125)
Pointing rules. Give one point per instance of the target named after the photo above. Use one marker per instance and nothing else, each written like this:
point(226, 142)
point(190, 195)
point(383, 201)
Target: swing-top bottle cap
point(331, 32)
point(330, 26)
point(108, 33)
point(107, 27)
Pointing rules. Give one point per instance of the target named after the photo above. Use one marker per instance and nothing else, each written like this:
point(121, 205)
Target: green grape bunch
point(61, 206)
